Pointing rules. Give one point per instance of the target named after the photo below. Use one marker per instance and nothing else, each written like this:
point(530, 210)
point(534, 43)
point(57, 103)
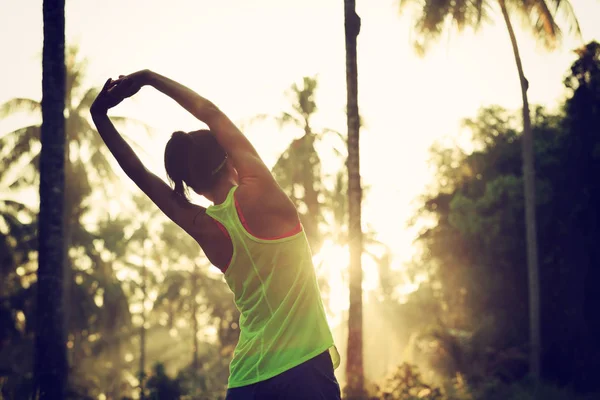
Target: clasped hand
point(115, 91)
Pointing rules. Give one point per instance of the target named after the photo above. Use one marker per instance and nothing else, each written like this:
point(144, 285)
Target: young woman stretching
point(252, 233)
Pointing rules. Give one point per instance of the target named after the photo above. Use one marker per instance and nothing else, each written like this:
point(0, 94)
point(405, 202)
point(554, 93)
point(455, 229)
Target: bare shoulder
point(266, 198)
point(216, 245)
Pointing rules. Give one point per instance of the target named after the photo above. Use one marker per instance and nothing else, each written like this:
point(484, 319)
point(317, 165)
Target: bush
point(406, 384)
point(525, 390)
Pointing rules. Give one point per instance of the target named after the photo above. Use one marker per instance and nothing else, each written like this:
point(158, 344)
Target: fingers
point(120, 86)
point(107, 84)
point(112, 85)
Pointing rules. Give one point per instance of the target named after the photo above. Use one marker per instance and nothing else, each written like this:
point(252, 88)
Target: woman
point(251, 232)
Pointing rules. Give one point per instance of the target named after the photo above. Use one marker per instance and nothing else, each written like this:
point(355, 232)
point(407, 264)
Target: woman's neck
point(220, 192)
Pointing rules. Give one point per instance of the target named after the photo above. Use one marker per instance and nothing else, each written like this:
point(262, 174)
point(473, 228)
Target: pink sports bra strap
point(297, 229)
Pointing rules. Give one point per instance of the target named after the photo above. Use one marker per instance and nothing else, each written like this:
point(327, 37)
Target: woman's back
point(282, 322)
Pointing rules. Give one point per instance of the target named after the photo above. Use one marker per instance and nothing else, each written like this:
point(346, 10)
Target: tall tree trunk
point(530, 204)
point(51, 366)
point(143, 327)
point(68, 221)
point(311, 194)
point(195, 319)
point(354, 364)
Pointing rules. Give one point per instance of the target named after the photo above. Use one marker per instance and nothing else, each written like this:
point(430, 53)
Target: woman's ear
point(232, 171)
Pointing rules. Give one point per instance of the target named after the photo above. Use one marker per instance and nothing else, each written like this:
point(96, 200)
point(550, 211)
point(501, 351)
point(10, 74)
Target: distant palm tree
point(298, 169)
point(51, 365)
point(184, 291)
point(18, 242)
point(87, 163)
point(436, 15)
point(85, 154)
point(354, 364)
point(86, 167)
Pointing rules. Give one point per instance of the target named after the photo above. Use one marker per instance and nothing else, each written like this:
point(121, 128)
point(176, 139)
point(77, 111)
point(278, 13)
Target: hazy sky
point(243, 55)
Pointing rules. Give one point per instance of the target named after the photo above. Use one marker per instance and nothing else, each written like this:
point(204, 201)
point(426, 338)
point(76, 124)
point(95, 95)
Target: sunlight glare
point(331, 262)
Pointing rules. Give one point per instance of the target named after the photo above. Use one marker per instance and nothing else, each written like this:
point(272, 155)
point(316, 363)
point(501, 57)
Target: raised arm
point(245, 158)
point(120, 149)
point(176, 208)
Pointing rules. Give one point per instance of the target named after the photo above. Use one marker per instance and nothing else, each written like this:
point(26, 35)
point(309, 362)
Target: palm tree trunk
point(530, 219)
point(143, 327)
point(195, 319)
point(354, 364)
point(51, 365)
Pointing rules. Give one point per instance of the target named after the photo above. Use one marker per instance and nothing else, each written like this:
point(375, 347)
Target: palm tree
point(184, 291)
point(85, 166)
point(86, 159)
point(354, 365)
point(51, 366)
point(18, 243)
point(298, 169)
point(539, 15)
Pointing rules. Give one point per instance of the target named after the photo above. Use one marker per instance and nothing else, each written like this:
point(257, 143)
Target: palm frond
point(82, 237)
point(28, 176)
point(86, 101)
point(23, 233)
point(287, 118)
point(123, 121)
point(15, 145)
point(402, 4)
point(135, 144)
point(480, 11)
point(335, 133)
point(20, 104)
point(545, 23)
point(304, 97)
point(101, 165)
point(80, 131)
point(258, 118)
point(83, 133)
point(76, 67)
point(15, 205)
point(566, 8)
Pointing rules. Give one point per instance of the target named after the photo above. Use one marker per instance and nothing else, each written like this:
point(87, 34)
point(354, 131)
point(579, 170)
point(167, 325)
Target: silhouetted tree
point(354, 363)
point(51, 366)
point(434, 16)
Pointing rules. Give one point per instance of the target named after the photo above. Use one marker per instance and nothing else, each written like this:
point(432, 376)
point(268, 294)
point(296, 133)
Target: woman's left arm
point(176, 208)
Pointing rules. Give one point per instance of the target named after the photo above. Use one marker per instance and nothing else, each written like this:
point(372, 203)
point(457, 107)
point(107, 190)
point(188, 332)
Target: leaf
point(86, 101)
point(19, 104)
point(287, 118)
point(566, 8)
point(14, 144)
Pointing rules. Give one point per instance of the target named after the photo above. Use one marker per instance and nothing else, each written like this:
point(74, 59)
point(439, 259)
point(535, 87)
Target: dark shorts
point(311, 380)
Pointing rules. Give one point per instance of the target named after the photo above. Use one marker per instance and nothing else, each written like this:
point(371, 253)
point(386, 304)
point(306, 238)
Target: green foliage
point(113, 260)
point(162, 387)
point(474, 251)
point(432, 18)
point(406, 383)
point(298, 170)
point(526, 390)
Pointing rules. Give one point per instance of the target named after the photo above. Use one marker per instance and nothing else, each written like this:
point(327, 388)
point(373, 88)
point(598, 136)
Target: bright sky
point(243, 56)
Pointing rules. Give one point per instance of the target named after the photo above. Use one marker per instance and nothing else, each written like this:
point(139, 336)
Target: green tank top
point(282, 321)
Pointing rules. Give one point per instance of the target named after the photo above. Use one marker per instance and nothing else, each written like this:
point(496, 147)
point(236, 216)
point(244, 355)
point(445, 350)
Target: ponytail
point(177, 161)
